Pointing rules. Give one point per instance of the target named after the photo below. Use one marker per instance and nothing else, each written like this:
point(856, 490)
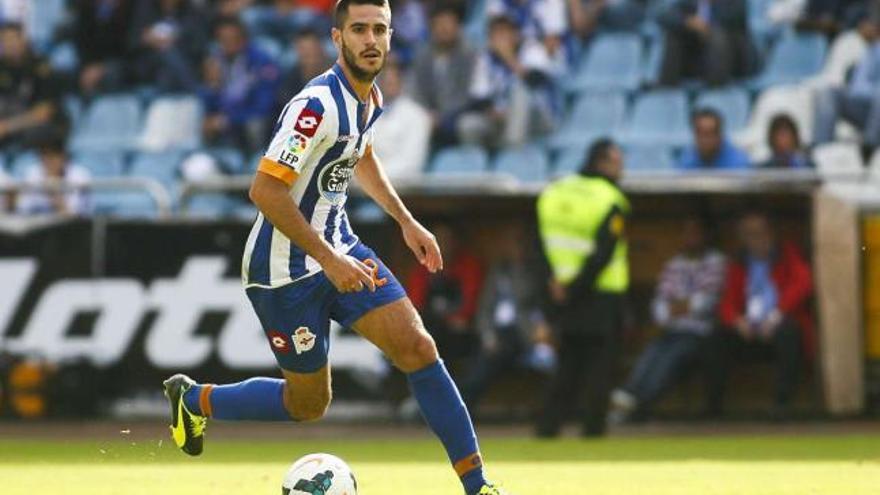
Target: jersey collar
point(375, 99)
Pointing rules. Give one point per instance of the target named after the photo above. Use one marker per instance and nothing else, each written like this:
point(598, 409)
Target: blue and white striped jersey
point(319, 138)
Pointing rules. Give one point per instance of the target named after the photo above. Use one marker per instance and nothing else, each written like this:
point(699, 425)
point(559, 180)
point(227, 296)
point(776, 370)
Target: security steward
point(581, 220)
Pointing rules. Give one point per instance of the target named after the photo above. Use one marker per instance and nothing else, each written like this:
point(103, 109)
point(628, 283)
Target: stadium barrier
point(141, 297)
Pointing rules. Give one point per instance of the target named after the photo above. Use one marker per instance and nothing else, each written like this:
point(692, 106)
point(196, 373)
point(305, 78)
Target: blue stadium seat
point(759, 23)
point(528, 163)
point(210, 205)
point(45, 18)
point(659, 117)
point(20, 163)
point(460, 160)
point(650, 70)
point(172, 122)
point(570, 160)
point(110, 123)
point(63, 57)
point(230, 160)
point(733, 104)
point(593, 115)
point(101, 163)
point(124, 204)
point(613, 61)
point(793, 58)
point(648, 158)
point(162, 166)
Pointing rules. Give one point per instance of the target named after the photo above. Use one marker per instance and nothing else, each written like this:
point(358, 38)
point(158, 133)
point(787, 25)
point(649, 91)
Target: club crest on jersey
point(334, 178)
point(303, 340)
point(279, 342)
point(308, 121)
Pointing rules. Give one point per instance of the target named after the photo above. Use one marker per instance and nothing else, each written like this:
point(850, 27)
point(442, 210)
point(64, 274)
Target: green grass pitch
point(797, 465)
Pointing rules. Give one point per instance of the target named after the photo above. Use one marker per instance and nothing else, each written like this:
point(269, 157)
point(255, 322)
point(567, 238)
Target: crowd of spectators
point(493, 73)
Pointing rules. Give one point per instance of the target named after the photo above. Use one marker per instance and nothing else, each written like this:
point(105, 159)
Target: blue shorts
point(296, 317)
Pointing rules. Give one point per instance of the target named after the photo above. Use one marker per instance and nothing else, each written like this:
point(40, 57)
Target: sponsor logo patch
point(334, 179)
point(303, 340)
point(297, 143)
point(307, 123)
point(279, 342)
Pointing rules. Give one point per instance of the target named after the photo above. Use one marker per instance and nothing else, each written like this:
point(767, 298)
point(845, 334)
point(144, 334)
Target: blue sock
point(256, 399)
point(448, 417)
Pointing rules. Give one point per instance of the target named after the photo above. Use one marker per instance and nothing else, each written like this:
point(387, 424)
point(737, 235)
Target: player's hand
point(423, 244)
point(348, 274)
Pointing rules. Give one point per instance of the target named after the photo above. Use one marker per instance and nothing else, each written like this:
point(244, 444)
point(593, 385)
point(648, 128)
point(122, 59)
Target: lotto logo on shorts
point(303, 340)
point(307, 123)
point(279, 342)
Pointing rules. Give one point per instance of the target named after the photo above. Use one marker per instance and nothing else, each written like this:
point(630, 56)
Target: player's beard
point(357, 71)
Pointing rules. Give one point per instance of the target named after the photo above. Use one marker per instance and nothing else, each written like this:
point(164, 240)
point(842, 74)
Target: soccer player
point(303, 265)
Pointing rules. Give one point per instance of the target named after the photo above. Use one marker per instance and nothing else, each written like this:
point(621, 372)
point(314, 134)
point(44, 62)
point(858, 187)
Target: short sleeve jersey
point(318, 139)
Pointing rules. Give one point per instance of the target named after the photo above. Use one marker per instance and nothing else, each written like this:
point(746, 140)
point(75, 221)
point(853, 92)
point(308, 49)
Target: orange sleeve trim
point(205, 400)
point(468, 464)
point(281, 172)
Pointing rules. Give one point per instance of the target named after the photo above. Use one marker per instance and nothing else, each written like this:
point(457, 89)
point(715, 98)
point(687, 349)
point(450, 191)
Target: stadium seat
point(45, 18)
point(230, 160)
point(733, 105)
point(63, 58)
point(124, 204)
point(648, 158)
point(793, 59)
point(570, 160)
point(460, 160)
point(161, 166)
point(846, 51)
point(210, 205)
point(838, 160)
point(109, 123)
point(101, 163)
point(527, 163)
point(613, 61)
point(653, 60)
point(20, 163)
point(760, 25)
point(593, 115)
point(172, 122)
point(658, 117)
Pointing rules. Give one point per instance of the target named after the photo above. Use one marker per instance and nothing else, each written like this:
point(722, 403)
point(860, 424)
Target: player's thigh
point(397, 330)
point(307, 395)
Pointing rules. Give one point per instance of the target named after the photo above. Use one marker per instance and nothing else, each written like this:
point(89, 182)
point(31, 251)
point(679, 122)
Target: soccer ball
point(319, 474)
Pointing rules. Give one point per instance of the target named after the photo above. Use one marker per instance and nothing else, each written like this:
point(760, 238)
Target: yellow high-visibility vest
point(570, 212)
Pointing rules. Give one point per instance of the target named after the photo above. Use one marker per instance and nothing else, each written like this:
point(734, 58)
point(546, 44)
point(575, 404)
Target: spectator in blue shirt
point(711, 149)
point(858, 103)
point(239, 91)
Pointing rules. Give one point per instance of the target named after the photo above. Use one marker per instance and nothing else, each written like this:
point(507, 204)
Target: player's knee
point(420, 352)
point(307, 406)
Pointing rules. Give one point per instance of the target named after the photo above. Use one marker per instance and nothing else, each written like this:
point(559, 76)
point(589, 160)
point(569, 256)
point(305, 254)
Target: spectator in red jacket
point(764, 306)
point(448, 300)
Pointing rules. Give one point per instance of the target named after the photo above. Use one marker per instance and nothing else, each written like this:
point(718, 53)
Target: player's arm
point(272, 196)
point(298, 135)
point(375, 183)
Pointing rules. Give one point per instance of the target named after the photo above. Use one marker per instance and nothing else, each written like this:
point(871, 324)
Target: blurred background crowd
point(177, 90)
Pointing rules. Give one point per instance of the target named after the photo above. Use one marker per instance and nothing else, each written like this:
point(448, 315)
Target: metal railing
point(157, 192)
